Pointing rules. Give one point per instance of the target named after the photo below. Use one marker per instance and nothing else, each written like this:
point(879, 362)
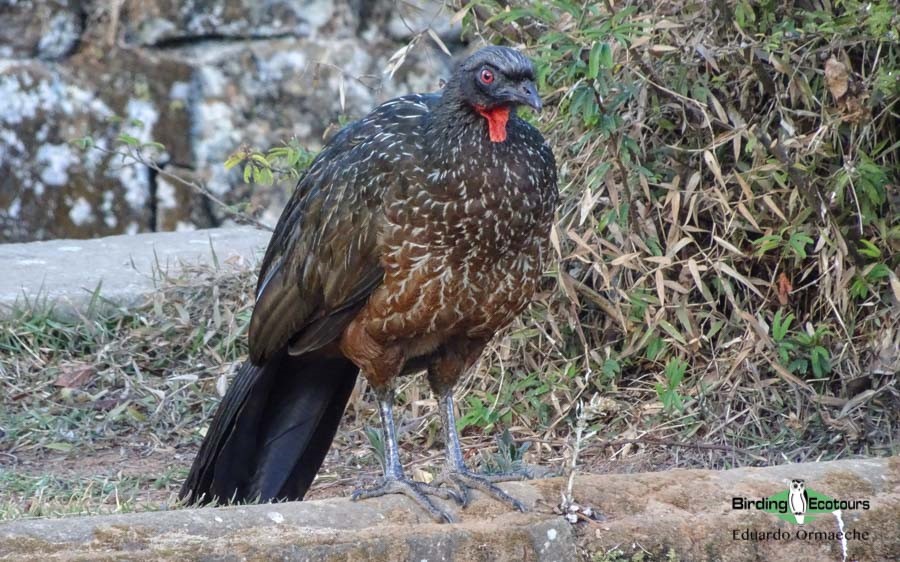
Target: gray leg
point(395, 480)
point(459, 474)
point(392, 466)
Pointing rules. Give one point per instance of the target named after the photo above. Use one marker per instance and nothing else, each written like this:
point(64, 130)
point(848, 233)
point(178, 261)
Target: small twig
point(580, 437)
point(136, 155)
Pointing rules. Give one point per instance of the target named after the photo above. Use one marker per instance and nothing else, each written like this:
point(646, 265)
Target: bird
point(415, 235)
point(798, 498)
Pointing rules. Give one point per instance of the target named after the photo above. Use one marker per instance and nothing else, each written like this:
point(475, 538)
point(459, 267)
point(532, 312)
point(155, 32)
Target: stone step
point(683, 515)
point(66, 273)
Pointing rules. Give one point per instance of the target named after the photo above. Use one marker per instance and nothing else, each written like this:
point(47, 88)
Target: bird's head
point(495, 80)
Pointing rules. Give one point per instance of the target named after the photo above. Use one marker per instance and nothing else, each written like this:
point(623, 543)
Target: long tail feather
point(272, 430)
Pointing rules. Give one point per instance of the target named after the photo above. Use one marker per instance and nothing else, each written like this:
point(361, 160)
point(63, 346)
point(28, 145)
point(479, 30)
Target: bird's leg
point(395, 480)
point(456, 470)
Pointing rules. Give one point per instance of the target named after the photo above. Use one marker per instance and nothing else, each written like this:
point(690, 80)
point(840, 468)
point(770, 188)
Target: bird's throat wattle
point(496, 118)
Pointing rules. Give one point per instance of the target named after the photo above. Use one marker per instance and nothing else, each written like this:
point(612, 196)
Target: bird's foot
point(464, 480)
point(417, 491)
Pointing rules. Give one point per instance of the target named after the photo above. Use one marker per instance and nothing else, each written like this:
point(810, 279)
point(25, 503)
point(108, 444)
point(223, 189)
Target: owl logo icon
point(798, 500)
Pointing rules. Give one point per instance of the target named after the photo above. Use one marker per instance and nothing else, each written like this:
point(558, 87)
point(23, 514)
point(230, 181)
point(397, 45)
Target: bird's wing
point(323, 261)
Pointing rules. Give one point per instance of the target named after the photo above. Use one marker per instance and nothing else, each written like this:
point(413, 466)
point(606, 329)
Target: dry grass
point(96, 411)
point(686, 239)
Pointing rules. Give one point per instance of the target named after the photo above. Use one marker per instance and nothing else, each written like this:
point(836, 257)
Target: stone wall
point(202, 77)
point(671, 515)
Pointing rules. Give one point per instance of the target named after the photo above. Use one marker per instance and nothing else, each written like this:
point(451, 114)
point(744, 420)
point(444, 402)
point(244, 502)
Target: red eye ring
point(487, 76)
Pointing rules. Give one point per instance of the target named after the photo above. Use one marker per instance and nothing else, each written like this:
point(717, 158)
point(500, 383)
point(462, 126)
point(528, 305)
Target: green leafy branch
point(796, 242)
point(132, 151)
point(263, 168)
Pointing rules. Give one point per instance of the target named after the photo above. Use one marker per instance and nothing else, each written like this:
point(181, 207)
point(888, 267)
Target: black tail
point(272, 430)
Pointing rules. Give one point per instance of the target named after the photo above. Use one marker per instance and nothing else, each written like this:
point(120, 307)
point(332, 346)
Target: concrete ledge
point(685, 514)
point(127, 268)
point(388, 528)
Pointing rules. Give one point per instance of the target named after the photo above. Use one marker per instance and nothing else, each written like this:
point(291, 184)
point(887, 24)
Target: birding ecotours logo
point(798, 499)
point(798, 504)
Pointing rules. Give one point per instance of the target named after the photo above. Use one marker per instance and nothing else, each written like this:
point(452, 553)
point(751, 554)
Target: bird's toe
point(513, 476)
point(465, 481)
point(416, 491)
point(442, 492)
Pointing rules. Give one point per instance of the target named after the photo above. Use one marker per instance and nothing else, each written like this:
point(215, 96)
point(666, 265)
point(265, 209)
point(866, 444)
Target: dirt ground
point(145, 476)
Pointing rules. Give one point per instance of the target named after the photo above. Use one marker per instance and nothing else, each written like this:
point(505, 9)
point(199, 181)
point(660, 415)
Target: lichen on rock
point(200, 77)
point(44, 29)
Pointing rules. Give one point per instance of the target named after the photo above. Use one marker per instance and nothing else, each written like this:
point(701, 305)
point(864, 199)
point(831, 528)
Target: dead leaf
point(422, 475)
point(568, 285)
point(895, 286)
point(459, 15)
point(74, 376)
point(398, 58)
point(728, 246)
point(666, 24)
point(731, 272)
point(564, 23)
point(105, 404)
point(708, 56)
point(784, 289)
point(222, 385)
point(836, 77)
point(660, 50)
point(554, 240)
point(434, 37)
point(713, 165)
point(718, 108)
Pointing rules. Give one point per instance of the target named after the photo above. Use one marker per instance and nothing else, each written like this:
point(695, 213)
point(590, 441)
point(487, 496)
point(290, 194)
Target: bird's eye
point(487, 76)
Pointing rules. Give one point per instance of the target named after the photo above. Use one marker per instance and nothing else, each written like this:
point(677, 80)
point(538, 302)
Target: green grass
point(49, 495)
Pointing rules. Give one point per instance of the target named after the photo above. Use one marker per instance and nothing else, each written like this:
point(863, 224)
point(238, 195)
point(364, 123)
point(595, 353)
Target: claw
point(465, 480)
point(416, 491)
point(444, 481)
point(443, 493)
point(457, 474)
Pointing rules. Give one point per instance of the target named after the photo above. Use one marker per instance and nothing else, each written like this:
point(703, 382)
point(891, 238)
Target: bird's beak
point(525, 93)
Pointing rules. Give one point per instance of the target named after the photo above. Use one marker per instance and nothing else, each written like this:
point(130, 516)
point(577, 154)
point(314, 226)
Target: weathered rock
point(673, 515)
point(160, 21)
point(143, 85)
point(200, 77)
point(45, 29)
point(65, 273)
point(331, 530)
point(48, 187)
point(261, 93)
point(180, 207)
point(688, 514)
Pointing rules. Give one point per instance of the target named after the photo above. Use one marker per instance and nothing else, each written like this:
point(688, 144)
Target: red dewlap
point(496, 118)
